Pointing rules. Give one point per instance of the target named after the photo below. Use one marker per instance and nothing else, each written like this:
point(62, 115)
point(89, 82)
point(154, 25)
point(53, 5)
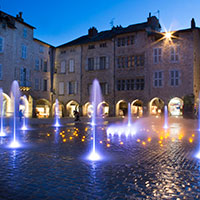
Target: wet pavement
point(153, 164)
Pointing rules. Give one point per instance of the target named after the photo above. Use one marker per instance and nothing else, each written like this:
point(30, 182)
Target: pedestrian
point(20, 115)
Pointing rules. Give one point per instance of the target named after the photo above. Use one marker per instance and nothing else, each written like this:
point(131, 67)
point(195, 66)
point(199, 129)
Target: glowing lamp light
point(14, 144)
point(168, 35)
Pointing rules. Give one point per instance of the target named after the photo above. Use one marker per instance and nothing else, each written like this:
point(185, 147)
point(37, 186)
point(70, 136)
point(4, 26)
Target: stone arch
point(7, 111)
point(156, 106)
point(71, 106)
point(60, 109)
point(43, 108)
point(87, 109)
point(175, 106)
point(137, 108)
point(121, 108)
point(103, 109)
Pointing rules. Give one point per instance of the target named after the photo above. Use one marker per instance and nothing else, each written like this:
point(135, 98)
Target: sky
point(60, 21)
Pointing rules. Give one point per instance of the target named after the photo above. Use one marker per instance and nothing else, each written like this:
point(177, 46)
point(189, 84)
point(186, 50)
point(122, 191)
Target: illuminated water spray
point(126, 128)
point(2, 133)
point(15, 94)
point(57, 123)
point(24, 126)
point(166, 118)
point(198, 153)
point(96, 99)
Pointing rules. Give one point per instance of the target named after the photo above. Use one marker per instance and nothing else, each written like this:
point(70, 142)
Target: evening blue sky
point(60, 21)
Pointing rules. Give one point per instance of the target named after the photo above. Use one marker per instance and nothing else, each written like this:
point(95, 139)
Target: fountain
point(1, 110)
point(57, 123)
point(198, 129)
point(166, 118)
point(15, 94)
point(127, 128)
point(24, 127)
point(96, 99)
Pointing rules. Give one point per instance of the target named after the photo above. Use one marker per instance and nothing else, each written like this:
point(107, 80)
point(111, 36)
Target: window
point(62, 67)
point(131, 84)
point(71, 65)
point(41, 49)
point(157, 55)
point(61, 88)
point(25, 33)
point(90, 64)
point(1, 44)
point(1, 72)
point(102, 63)
point(174, 77)
point(45, 66)
point(104, 88)
point(72, 87)
point(24, 51)
point(91, 46)
point(22, 76)
point(103, 45)
point(45, 85)
point(119, 85)
point(158, 79)
point(37, 65)
point(174, 54)
point(37, 84)
point(139, 60)
point(122, 41)
point(41, 64)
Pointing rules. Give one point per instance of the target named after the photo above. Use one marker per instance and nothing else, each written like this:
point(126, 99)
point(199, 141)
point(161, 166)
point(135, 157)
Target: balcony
point(25, 85)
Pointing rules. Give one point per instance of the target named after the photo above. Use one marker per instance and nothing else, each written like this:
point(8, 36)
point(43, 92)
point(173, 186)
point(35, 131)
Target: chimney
point(153, 22)
point(19, 17)
point(92, 31)
point(193, 25)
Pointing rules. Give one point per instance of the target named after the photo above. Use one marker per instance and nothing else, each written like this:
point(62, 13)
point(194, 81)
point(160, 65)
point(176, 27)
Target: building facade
point(27, 60)
point(137, 64)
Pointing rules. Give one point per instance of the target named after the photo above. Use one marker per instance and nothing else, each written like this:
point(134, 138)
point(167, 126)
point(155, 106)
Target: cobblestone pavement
point(153, 164)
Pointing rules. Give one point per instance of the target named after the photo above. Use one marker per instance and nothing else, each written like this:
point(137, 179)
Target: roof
point(108, 34)
point(40, 41)
point(10, 18)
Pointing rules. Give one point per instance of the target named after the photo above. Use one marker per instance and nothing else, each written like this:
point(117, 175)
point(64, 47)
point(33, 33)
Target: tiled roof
point(107, 35)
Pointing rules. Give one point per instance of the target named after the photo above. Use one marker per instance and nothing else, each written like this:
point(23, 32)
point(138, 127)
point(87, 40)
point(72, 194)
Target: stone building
point(26, 60)
point(137, 64)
